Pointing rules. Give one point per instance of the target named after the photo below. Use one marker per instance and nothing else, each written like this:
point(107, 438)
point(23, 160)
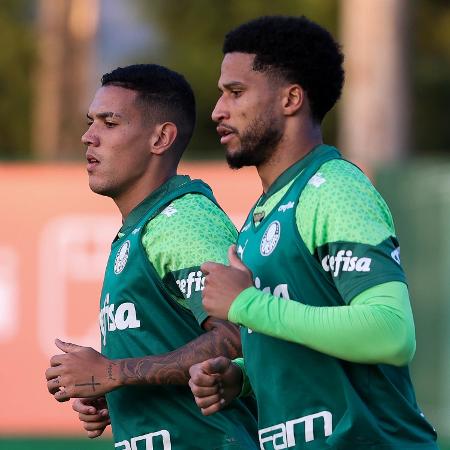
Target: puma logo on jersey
point(282, 435)
point(345, 261)
point(246, 227)
point(240, 250)
point(395, 254)
point(317, 180)
point(284, 208)
point(120, 319)
point(194, 282)
point(280, 290)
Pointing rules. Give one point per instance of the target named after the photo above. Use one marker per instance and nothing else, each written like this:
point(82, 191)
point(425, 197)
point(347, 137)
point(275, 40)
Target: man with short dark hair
point(315, 281)
point(153, 326)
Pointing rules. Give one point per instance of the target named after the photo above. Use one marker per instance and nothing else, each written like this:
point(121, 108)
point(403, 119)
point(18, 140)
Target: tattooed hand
point(80, 372)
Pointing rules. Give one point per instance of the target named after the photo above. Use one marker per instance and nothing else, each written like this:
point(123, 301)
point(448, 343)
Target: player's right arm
point(93, 414)
point(71, 373)
point(216, 382)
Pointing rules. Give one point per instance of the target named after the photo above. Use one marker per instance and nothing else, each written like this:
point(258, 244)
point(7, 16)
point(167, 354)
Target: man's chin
point(237, 160)
point(100, 190)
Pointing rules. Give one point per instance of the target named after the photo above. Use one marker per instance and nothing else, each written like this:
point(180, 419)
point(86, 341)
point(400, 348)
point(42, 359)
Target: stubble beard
point(258, 143)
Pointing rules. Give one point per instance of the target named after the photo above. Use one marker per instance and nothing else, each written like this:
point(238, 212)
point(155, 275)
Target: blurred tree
point(16, 61)
point(66, 30)
point(193, 31)
point(430, 64)
point(374, 126)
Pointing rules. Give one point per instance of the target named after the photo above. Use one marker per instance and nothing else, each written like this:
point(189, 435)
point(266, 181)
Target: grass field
point(81, 444)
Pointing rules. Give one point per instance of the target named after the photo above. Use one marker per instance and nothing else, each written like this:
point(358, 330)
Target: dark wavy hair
point(296, 50)
point(165, 95)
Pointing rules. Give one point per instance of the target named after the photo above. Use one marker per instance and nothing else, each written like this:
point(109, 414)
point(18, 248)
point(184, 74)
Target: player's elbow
point(402, 345)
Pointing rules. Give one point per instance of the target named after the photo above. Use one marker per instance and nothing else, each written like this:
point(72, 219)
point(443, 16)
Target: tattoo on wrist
point(110, 372)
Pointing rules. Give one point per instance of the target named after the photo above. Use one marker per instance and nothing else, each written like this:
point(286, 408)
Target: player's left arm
point(376, 327)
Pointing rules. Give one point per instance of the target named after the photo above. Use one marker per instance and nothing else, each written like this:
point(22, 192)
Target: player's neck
point(292, 147)
point(133, 196)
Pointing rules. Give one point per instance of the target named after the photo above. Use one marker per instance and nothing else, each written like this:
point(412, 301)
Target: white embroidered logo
point(122, 257)
point(270, 239)
point(396, 255)
point(282, 435)
point(120, 319)
point(149, 441)
point(246, 227)
point(345, 261)
point(169, 211)
point(194, 282)
point(317, 180)
point(284, 208)
point(240, 250)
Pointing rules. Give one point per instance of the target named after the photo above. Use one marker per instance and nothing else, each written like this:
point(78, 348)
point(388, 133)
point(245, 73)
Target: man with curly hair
point(315, 280)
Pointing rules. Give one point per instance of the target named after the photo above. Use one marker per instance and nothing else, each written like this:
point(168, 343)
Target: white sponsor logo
point(169, 211)
point(282, 435)
point(160, 437)
point(124, 317)
point(284, 208)
point(280, 290)
point(246, 227)
point(345, 261)
point(270, 239)
point(195, 281)
point(396, 255)
point(317, 180)
point(122, 257)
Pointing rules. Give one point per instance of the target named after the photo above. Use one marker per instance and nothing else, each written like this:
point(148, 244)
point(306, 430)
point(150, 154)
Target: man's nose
point(219, 112)
point(89, 138)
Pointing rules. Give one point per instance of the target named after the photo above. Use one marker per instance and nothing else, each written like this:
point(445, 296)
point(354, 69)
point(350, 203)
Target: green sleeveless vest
point(306, 399)
point(139, 317)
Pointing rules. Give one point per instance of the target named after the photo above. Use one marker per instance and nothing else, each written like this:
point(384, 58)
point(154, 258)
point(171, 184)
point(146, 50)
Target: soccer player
point(153, 326)
point(315, 280)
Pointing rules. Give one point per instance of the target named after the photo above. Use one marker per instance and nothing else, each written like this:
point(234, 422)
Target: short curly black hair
point(164, 94)
point(296, 49)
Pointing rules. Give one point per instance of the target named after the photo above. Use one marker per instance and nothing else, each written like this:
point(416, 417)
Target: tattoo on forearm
point(110, 374)
point(222, 339)
point(92, 384)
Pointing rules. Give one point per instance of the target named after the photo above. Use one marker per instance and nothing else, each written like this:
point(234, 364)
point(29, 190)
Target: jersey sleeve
point(348, 228)
point(380, 315)
point(246, 388)
point(190, 231)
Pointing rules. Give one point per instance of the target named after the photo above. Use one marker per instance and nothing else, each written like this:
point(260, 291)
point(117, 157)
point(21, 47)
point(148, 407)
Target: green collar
point(291, 172)
point(139, 211)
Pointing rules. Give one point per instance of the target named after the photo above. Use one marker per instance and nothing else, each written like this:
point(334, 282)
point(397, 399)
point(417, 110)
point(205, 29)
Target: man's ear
point(163, 137)
point(293, 99)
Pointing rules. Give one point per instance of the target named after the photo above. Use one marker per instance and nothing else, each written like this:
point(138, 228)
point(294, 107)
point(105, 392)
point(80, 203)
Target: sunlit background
point(393, 121)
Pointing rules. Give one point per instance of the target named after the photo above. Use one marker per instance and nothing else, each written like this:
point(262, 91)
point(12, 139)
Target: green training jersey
point(322, 236)
point(141, 316)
